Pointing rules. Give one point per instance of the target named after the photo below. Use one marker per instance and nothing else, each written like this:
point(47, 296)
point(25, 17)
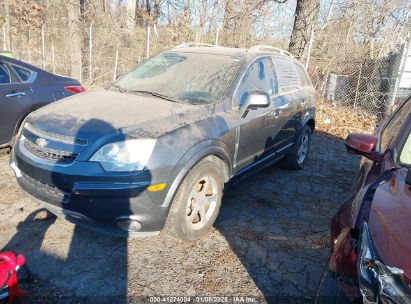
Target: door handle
point(16, 94)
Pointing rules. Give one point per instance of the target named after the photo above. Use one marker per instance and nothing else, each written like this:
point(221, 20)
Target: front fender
point(192, 157)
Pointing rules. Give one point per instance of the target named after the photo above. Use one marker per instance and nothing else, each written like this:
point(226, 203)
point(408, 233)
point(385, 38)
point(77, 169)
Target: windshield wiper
point(152, 94)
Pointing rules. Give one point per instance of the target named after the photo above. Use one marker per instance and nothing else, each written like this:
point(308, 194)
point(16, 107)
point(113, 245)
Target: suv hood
point(93, 114)
point(390, 224)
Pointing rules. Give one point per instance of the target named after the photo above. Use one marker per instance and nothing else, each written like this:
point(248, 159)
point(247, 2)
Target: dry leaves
point(342, 120)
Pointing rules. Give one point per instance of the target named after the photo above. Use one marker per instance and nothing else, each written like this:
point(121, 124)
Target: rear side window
point(305, 81)
point(23, 73)
point(259, 76)
point(287, 74)
point(393, 125)
point(4, 74)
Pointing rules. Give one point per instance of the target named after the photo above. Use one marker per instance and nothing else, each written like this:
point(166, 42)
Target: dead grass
point(342, 120)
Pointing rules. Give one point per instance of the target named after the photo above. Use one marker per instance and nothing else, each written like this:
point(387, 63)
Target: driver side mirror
point(255, 100)
point(364, 145)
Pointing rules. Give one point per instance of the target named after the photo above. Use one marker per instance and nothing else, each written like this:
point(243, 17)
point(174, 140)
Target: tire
point(203, 186)
point(298, 156)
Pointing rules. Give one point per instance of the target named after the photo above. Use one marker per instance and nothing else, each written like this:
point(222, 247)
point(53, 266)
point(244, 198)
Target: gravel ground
point(270, 241)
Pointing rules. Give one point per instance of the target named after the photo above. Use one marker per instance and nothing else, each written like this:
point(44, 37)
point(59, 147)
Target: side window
point(305, 81)
point(393, 125)
point(4, 74)
point(23, 73)
point(405, 156)
point(287, 74)
point(259, 76)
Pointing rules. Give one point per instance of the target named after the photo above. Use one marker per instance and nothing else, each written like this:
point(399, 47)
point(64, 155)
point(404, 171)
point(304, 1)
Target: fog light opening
point(128, 225)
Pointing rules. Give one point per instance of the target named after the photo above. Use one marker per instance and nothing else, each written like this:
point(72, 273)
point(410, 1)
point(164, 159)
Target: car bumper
point(99, 201)
point(343, 258)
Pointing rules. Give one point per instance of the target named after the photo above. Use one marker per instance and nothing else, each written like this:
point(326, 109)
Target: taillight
point(75, 89)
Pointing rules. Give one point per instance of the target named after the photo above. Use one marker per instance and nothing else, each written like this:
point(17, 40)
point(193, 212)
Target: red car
point(371, 233)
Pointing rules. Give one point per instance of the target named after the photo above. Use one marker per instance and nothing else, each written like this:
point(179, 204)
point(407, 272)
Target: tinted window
point(394, 124)
point(4, 74)
point(303, 75)
point(184, 77)
point(259, 76)
point(23, 73)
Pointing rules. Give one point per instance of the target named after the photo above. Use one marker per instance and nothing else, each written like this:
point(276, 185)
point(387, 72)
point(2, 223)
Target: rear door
point(15, 101)
point(291, 99)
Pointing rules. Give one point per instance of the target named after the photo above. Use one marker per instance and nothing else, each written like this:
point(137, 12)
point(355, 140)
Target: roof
point(215, 50)
point(201, 48)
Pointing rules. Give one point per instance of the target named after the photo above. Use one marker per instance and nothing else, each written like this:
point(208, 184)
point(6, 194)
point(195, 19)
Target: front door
point(257, 131)
point(15, 102)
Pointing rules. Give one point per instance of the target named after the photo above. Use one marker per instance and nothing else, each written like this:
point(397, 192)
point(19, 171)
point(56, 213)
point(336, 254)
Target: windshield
point(182, 77)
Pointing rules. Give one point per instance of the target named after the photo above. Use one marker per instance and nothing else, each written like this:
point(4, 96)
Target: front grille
point(56, 193)
point(50, 154)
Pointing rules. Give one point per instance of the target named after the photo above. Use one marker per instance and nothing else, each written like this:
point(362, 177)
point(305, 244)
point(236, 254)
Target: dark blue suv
point(156, 148)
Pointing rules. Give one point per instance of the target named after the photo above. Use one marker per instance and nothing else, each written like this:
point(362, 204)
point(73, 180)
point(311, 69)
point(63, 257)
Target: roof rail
point(193, 44)
point(259, 48)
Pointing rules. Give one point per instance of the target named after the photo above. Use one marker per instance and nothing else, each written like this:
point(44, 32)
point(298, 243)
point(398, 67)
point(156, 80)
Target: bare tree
point(139, 14)
point(156, 11)
point(73, 16)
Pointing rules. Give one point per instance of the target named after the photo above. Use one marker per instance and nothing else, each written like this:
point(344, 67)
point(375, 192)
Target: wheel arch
point(311, 123)
point(209, 149)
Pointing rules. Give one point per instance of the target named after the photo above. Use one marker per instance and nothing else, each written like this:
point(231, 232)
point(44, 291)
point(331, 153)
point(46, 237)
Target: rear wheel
point(298, 156)
point(197, 202)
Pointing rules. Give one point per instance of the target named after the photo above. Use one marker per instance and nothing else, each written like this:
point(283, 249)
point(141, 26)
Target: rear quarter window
point(287, 74)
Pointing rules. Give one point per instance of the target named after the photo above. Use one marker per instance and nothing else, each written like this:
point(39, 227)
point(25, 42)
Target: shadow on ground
point(277, 221)
point(270, 241)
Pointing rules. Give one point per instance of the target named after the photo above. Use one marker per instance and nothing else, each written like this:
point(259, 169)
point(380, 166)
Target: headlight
point(379, 283)
point(128, 155)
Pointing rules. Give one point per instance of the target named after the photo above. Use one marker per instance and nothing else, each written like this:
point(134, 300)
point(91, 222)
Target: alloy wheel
point(303, 149)
point(202, 202)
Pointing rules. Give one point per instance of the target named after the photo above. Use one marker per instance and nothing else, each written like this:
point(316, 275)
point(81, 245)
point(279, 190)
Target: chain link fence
point(368, 85)
point(97, 53)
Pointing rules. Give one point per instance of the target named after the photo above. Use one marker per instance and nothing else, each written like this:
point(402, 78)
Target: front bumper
point(84, 194)
point(358, 268)
point(378, 282)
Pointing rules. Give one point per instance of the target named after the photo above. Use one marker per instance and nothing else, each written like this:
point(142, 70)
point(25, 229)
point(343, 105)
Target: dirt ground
point(270, 241)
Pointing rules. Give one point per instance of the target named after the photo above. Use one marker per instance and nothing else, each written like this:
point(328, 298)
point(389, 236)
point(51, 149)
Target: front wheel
point(197, 202)
point(298, 156)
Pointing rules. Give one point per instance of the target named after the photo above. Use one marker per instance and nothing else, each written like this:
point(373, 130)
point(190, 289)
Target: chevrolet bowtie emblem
point(41, 142)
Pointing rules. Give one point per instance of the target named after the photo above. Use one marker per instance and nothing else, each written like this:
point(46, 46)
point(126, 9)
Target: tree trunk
point(227, 14)
point(186, 13)
point(306, 15)
point(138, 15)
point(73, 16)
point(148, 9)
point(156, 11)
